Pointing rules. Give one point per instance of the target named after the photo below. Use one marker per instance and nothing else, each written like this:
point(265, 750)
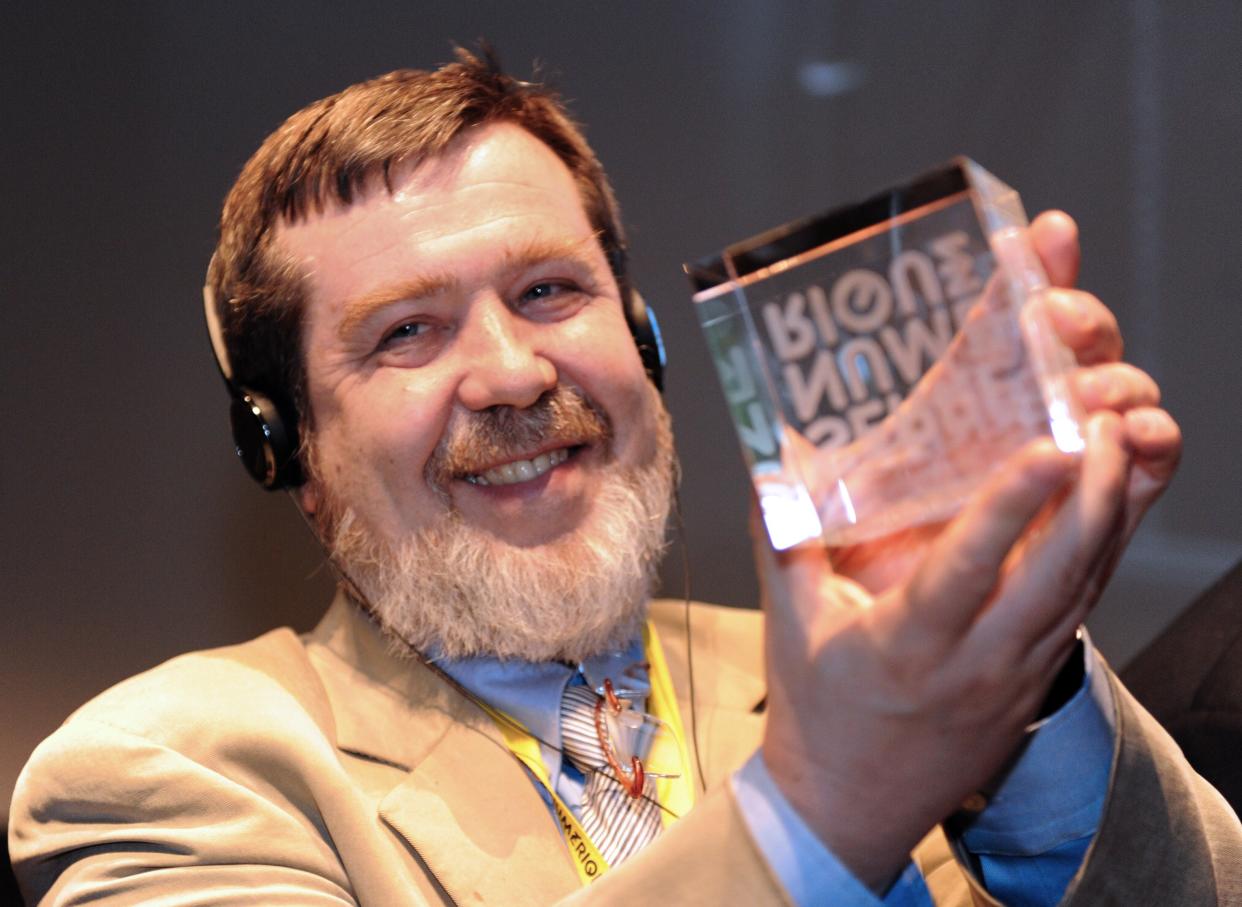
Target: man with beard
point(423, 279)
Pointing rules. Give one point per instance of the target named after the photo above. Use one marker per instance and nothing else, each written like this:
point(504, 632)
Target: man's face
point(478, 283)
point(475, 390)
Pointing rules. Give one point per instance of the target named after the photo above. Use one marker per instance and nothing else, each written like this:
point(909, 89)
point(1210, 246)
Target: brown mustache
point(477, 441)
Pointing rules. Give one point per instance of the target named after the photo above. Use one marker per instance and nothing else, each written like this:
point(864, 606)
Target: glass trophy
point(881, 359)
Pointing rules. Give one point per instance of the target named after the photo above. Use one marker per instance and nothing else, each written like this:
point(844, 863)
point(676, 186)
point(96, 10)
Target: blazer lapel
point(466, 806)
point(728, 679)
point(474, 816)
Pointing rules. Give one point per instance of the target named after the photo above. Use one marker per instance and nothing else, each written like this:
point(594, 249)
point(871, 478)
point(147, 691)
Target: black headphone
point(645, 329)
point(267, 441)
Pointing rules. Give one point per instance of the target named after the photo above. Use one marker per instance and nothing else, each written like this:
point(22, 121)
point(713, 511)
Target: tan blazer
point(326, 770)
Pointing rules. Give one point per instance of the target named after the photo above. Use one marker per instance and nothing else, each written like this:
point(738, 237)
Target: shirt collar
point(530, 691)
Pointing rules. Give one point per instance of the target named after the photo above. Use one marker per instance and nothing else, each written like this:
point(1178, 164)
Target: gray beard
point(456, 591)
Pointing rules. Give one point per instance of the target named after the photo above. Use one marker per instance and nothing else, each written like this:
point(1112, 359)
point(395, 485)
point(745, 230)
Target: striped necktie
point(619, 825)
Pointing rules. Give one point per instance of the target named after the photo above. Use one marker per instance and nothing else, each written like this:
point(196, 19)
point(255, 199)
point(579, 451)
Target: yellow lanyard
point(676, 795)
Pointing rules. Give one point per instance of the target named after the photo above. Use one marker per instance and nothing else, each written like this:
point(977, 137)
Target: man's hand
point(902, 682)
point(1103, 383)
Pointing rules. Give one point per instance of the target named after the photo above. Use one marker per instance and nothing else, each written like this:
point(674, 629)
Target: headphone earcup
point(645, 330)
point(265, 447)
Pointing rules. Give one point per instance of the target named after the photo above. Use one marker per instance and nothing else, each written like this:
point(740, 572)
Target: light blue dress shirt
point(1028, 842)
point(530, 693)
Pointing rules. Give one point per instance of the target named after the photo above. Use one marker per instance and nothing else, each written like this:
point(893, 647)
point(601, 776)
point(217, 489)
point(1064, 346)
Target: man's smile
point(517, 471)
point(514, 448)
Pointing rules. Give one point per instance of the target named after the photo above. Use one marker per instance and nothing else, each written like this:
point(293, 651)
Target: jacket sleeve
point(102, 815)
point(1166, 836)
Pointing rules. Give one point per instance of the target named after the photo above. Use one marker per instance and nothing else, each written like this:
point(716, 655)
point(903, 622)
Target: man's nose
point(504, 367)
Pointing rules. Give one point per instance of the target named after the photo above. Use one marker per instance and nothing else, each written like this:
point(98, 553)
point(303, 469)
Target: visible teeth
point(521, 470)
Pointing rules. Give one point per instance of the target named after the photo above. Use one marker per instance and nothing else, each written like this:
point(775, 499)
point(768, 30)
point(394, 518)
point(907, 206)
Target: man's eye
point(548, 289)
point(407, 331)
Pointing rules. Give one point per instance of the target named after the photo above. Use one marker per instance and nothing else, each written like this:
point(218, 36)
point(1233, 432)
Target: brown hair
point(327, 153)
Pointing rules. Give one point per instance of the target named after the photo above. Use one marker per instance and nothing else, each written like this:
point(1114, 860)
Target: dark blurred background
point(131, 535)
